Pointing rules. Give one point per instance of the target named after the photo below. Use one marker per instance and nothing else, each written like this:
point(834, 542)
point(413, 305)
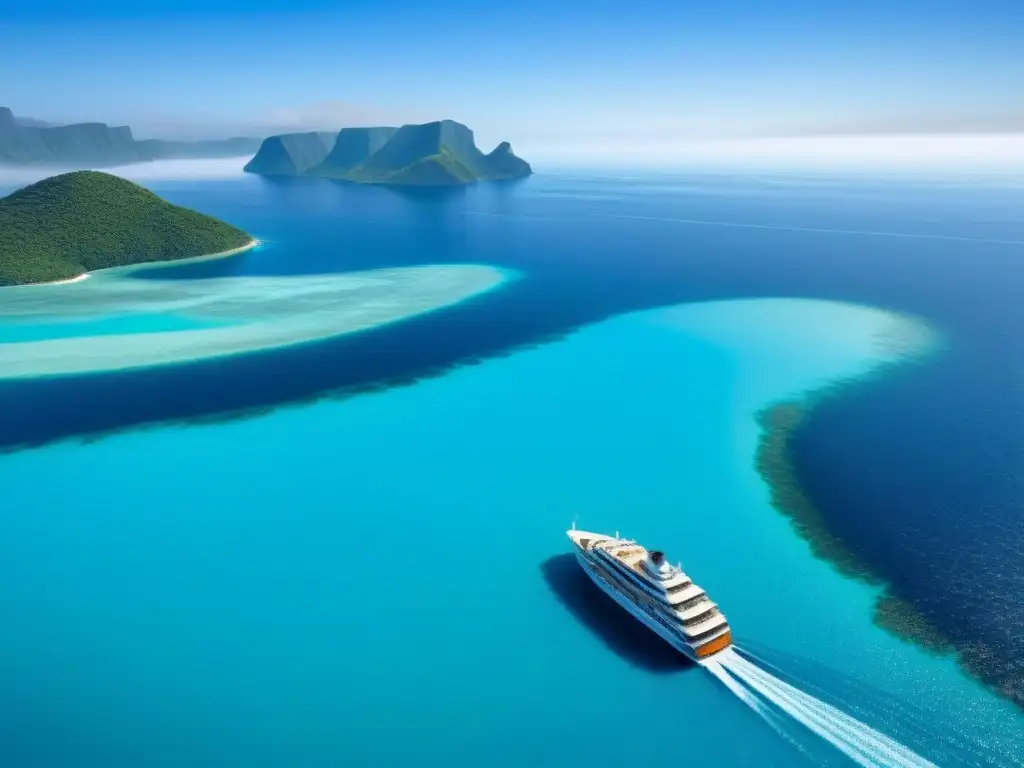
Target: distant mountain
point(66, 225)
point(291, 154)
point(506, 163)
point(31, 122)
point(98, 145)
point(89, 143)
point(441, 153)
point(353, 147)
point(18, 144)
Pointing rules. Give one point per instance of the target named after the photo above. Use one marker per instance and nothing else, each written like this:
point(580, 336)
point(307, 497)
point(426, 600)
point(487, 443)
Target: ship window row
point(702, 617)
point(663, 611)
point(707, 633)
point(619, 583)
point(619, 567)
point(675, 588)
point(623, 571)
point(614, 576)
point(691, 603)
point(651, 607)
point(632, 575)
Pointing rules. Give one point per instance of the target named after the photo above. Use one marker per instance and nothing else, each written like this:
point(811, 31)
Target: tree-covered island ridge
point(65, 226)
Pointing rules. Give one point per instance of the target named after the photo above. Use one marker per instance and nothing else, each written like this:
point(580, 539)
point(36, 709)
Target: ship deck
point(679, 589)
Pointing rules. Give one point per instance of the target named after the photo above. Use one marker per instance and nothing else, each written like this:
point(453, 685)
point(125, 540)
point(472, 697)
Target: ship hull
point(666, 634)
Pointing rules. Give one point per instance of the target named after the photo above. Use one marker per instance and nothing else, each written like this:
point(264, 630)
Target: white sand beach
point(154, 264)
point(68, 281)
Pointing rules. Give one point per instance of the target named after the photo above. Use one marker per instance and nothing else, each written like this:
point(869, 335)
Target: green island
point(65, 226)
point(438, 154)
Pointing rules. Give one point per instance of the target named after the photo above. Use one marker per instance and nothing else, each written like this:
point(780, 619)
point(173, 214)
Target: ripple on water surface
point(232, 573)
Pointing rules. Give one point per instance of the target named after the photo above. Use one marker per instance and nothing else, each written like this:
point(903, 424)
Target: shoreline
point(66, 281)
point(774, 462)
point(253, 243)
point(129, 268)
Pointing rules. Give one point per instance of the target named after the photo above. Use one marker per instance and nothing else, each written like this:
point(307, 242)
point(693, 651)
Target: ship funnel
point(656, 565)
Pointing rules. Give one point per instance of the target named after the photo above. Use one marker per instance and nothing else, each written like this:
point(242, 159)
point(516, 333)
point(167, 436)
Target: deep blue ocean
point(352, 552)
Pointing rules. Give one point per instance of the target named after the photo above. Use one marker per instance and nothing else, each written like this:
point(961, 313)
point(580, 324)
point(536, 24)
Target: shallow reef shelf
point(215, 317)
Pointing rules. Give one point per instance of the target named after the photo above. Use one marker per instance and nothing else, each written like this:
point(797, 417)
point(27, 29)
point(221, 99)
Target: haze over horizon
point(621, 83)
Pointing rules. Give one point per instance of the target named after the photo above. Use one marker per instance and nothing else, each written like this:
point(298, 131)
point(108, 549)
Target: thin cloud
point(14, 177)
point(995, 122)
point(333, 115)
point(1002, 152)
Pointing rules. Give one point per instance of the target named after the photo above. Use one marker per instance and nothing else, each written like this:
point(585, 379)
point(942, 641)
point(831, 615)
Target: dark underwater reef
point(781, 425)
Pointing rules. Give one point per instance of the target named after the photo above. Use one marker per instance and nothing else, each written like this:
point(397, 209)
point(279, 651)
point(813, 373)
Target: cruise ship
point(655, 592)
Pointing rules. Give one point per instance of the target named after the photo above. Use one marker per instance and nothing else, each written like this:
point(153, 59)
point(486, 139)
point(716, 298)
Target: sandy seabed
point(245, 314)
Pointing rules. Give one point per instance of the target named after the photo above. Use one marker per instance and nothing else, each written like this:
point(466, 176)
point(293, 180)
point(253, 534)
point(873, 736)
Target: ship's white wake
point(765, 693)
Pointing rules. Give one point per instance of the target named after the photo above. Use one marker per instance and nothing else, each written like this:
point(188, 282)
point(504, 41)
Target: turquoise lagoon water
point(382, 580)
point(11, 333)
point(97, 325)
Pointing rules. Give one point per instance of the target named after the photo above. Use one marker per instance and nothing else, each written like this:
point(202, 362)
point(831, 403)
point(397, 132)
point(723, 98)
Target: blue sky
point(536, 73)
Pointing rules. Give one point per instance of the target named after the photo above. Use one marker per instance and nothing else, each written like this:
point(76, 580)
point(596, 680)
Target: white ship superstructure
point(656, 592)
